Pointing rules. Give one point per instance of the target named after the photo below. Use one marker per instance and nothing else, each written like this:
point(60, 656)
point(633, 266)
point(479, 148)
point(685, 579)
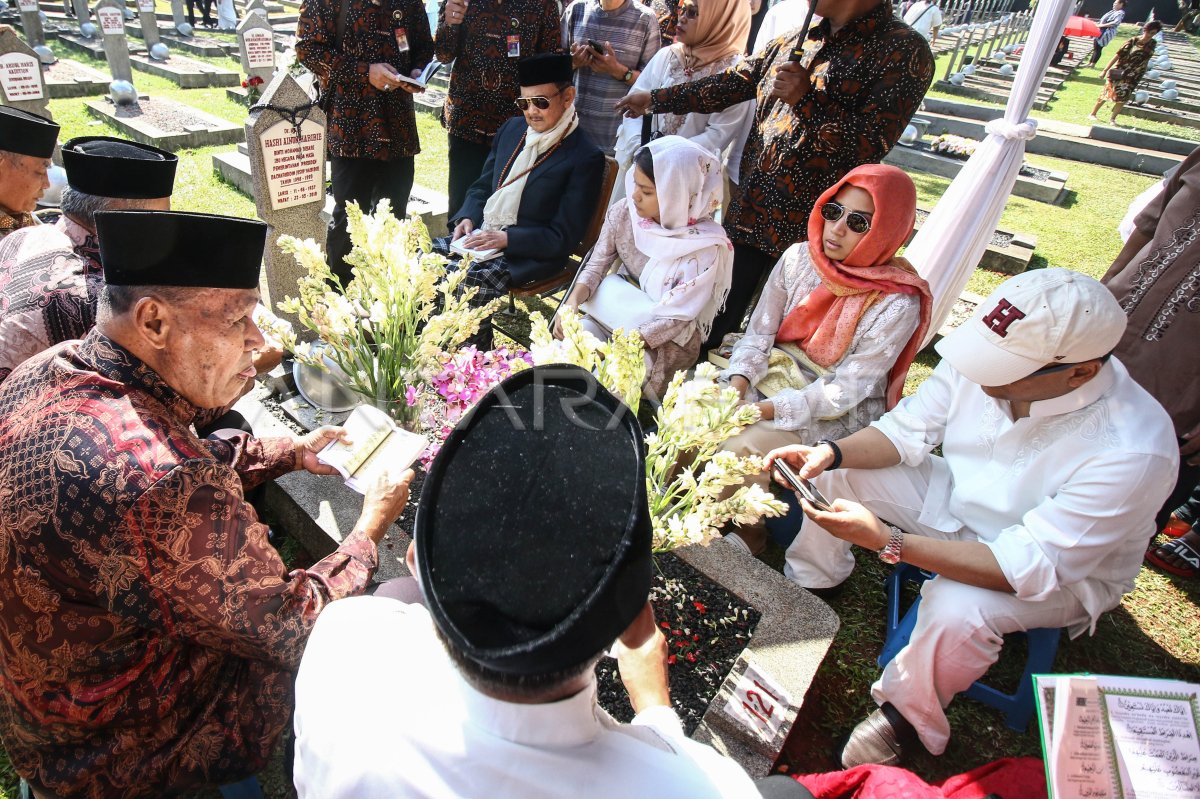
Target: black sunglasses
point(855, 220)
point(540, 103)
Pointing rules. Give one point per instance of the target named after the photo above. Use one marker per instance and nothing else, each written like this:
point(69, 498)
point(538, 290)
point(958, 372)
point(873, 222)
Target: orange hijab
point(823, 323)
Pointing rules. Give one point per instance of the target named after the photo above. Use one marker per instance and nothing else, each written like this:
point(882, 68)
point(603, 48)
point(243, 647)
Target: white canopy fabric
point(954, 237)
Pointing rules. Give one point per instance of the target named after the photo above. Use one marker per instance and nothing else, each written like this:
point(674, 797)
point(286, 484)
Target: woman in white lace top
point(663, 239)
point(838, 323)
point(710, 38)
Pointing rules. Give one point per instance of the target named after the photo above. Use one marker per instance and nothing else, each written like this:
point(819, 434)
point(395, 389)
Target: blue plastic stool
point(1043, 645)
point(246, 789)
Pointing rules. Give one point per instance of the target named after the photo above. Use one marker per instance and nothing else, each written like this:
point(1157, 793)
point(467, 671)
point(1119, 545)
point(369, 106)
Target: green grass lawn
point(1155, 631)
point(1074, 101)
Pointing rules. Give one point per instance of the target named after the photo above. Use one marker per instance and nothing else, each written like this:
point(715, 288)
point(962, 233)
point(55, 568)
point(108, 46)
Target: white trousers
point(959, 628)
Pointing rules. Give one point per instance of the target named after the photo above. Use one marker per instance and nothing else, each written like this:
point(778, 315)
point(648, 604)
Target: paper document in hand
point(457, 248)
point(376, 443)
point(427, 74)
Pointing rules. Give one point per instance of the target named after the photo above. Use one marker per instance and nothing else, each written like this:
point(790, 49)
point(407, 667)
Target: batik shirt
point(148, 631)
point(868, 80)
point(10, 222)
point(485, 49)
point(365, 122)
point(50, 280)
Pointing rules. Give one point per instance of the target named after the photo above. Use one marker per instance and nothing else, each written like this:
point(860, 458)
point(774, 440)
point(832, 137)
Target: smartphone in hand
point(802, 487)
point(595, 45)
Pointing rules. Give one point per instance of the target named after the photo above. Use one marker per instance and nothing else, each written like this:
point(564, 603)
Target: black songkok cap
point(545, 68)
point(533, 532)
point(172, 248)
point(27, 134)
point(106, 167)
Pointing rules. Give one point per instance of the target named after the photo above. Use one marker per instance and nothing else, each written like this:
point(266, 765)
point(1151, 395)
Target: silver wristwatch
point(890, 554)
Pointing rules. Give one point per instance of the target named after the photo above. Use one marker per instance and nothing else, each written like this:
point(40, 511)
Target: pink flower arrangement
point(464, 379)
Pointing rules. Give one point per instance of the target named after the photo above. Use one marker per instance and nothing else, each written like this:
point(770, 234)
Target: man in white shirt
point(925, 18)
point(488, 689)
point(1054, 463)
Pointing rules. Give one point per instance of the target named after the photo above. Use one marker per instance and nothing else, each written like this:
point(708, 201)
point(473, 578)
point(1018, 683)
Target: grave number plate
point(759, 704)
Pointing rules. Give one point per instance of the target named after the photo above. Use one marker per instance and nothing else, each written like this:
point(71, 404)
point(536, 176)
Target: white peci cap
point(1033, 320)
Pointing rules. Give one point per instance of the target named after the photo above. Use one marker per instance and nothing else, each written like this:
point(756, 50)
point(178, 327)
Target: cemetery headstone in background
point(287, 164)
point(256, 41)
point(149, 22)
point(110, 15)
point(21, 82)
point(31, 22)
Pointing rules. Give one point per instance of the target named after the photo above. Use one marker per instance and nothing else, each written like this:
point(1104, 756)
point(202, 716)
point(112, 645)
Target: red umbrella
point(1081, 26)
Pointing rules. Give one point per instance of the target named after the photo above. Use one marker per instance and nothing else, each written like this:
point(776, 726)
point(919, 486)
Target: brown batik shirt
point(10, 222)
point(485, 48)
point(364, 122)
point(868, 80)
point(148, 632)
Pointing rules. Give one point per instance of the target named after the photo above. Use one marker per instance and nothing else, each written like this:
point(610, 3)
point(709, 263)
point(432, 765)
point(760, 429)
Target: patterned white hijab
point(687, 282)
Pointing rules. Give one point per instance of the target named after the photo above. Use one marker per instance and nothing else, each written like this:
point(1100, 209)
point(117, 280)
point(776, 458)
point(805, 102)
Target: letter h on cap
point(1003, 315)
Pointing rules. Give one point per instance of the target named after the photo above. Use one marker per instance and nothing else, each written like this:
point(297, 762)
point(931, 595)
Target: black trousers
point(205, 10)
point(466, 163)
point(365, 181)
point(750, 268)
point(1096, 50)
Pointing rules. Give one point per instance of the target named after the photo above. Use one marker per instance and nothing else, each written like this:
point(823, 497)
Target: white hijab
point(502, 207)
point(686, 282)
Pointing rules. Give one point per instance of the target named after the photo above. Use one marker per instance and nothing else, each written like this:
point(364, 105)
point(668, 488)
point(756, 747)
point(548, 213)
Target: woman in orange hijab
point(838, 323)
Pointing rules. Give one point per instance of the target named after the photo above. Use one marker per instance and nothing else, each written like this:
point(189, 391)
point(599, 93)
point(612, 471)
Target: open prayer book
point(375, 443)
point(1119, 737)
point(427, 74)
point(457, 248)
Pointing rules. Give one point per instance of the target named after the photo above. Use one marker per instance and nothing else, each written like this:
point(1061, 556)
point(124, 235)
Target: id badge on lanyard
point(400, 33)
point(514, 39)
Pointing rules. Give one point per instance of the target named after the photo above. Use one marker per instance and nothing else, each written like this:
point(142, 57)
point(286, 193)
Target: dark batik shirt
point(148, 632)
point(867, 82)
point(485, 49)
point(50, 280)
point(667, 14)
point(365, 122)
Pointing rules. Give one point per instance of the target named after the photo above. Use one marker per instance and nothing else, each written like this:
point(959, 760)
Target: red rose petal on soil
point(700, 607)
point(671, 660)
point(691, 658)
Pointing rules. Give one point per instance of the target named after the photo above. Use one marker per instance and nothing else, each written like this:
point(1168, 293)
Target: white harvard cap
point(1035, 319)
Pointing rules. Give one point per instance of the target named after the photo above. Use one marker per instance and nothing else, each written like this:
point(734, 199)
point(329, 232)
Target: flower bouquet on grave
point(253, 87)
point(465, 377)
point(389, 329)
point(687, 479)
point(954, 146)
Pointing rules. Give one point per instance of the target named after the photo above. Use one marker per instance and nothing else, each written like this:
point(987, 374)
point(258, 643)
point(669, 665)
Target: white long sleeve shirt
point(382, 712)
point(1065, 498)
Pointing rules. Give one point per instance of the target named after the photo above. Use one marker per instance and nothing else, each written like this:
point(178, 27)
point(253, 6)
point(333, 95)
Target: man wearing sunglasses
point(1035, 515)
point(538, 189)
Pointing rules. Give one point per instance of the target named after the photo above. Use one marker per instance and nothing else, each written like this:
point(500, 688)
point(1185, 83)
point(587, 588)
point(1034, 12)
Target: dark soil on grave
point(706, 628)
